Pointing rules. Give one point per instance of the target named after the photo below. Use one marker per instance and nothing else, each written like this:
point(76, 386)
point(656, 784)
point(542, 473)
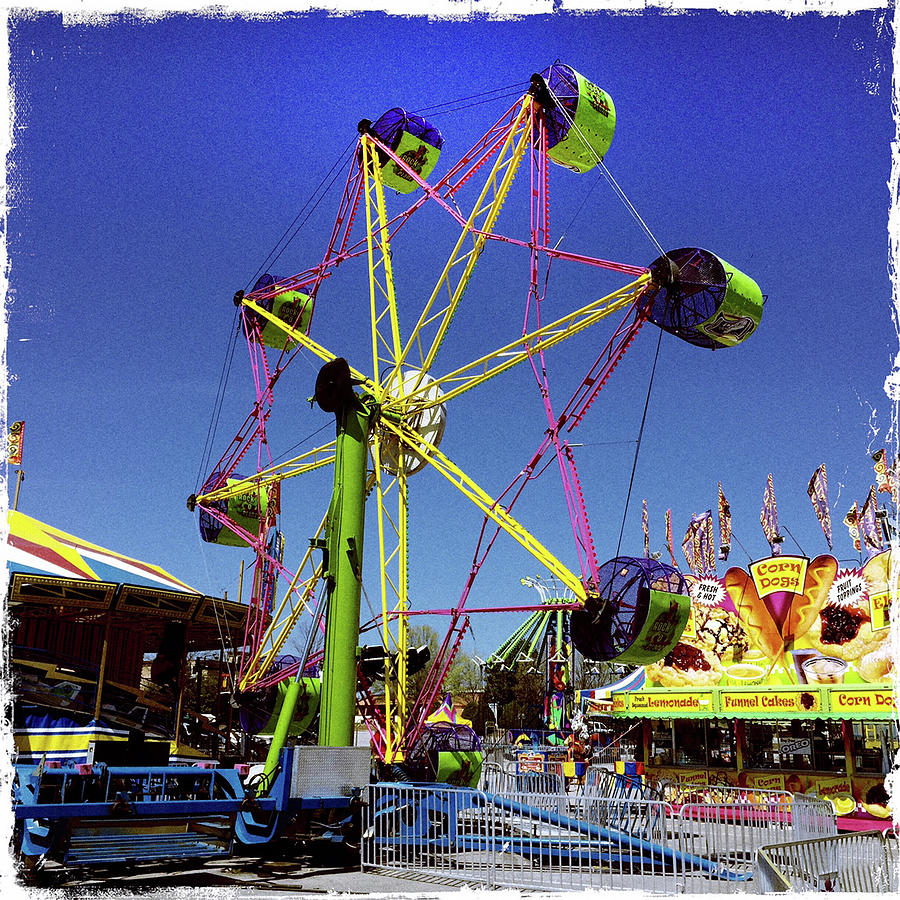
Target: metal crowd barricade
point(679, 793)
point(812, 816)
point(505, 779)
point(600, 782)
point(860, 862)
point(731, 832)
point(530, 841)
point(493, 777)
point(546, 841)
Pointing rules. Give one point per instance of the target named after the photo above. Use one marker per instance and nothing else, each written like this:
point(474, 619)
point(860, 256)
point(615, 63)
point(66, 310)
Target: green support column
point(345, 544)
point(280, 736)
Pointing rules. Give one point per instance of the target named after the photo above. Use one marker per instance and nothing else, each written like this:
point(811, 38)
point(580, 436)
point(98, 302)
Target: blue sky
point(156, 165)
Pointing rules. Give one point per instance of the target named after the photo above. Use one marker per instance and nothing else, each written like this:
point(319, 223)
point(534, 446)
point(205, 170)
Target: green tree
point(519, 694)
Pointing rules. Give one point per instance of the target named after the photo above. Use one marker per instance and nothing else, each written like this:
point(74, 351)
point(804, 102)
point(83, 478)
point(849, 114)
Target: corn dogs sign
point(779, 573)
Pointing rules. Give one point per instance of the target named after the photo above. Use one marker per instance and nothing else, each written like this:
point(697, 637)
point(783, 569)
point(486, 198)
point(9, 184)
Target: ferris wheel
point(390, 411)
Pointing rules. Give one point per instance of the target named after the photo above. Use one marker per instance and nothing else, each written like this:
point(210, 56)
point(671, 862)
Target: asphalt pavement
point(236, 877)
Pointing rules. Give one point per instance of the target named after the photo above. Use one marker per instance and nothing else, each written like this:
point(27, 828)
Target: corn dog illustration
point(781, 615)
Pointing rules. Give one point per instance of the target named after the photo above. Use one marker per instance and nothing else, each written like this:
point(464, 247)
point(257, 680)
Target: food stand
point(782, 680)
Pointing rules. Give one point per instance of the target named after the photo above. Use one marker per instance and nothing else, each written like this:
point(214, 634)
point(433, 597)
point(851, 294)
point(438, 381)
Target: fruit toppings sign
point(781, 573)
point(849, 588)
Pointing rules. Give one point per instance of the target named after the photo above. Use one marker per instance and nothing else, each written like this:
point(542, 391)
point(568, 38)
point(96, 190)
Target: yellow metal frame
point(300, 465)
point(294, 603)
point(487, 505)
point(486, 210)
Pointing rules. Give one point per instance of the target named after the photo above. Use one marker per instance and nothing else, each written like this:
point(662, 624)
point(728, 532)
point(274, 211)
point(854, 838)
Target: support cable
point(637, 449)
point(219, 401)
point(607, 174)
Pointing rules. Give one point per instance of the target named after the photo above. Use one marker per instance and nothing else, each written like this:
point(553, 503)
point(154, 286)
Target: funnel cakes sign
point(786, 621)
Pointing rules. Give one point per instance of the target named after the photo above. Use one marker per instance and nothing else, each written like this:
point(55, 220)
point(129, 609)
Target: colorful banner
point(690, 547)
point(868, 524)
point(665, 704)
point(645, 525)
point(884, 476)
point(669, 543)
point(704, 547)
point(15, 439)
point(847, 794)
point(769, 701)
point(787, 621)
point(856, 701)
point(698, 545)
point(724, 526)
point(768, 518)
point(851, 520)
point(818, 494)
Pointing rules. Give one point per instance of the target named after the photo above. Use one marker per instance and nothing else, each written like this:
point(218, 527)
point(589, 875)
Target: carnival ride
point(542, 643)
point(391, 413)
point(390, 416)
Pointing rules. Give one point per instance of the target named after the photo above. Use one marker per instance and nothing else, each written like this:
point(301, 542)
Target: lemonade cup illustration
point(746, 673)
point(824, 670)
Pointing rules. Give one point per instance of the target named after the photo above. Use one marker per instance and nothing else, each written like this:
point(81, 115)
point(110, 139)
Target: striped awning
point(33, 547)
point(52, 571)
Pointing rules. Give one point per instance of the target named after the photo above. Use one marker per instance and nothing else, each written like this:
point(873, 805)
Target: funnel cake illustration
point(774, 612)
point(856, 626)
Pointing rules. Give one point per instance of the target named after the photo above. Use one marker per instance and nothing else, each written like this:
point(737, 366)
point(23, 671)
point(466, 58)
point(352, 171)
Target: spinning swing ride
point(390, 415)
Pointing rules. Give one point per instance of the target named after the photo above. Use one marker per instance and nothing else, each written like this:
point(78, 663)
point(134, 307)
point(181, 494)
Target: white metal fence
point(862, 862)
point(577, 841)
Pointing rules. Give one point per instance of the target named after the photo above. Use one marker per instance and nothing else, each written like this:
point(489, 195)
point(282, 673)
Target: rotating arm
point(482, 219)
point(411, 439)
point(475, 373)
point(308, 462)
point(307, 342)
point(284, 619)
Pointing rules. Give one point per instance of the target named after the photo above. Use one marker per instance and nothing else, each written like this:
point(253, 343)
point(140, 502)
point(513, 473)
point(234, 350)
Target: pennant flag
point(884, 476)
point(888, 531)
point(818, 494)
point(669, 543)
point(15, 439)
point(769, 519)
point(868, 524)
point(699, 547)
point(645, 524)
point(851, 520)
point(690, 546)
point(707, 543)
point(724, 526)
